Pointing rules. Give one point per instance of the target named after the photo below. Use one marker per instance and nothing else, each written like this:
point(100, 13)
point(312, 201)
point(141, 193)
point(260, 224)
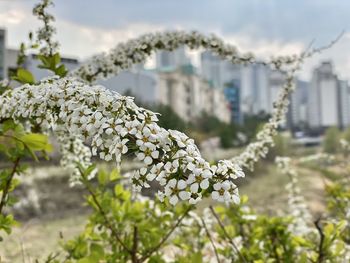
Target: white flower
point(175, 190)
point(221, 192)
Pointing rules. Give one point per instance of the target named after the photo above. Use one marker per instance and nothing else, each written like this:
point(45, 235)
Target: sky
point(269, 27)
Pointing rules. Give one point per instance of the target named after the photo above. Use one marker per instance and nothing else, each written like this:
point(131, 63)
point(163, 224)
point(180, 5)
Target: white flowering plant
point(91, 121)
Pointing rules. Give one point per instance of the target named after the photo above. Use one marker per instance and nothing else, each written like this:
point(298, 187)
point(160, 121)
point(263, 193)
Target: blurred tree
point(331, 142)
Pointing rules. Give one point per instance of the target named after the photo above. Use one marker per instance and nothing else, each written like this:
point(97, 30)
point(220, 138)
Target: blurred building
point(2, 53)
point(172, 59)
point(139, 83)
point(328, 99)
point(189, 95)
point(232, 93)
point(255, 89)
point(217, 71)
point(344, 104)
point(297, 113)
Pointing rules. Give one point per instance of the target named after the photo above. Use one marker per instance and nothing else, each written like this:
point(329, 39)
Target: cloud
point(267, 28)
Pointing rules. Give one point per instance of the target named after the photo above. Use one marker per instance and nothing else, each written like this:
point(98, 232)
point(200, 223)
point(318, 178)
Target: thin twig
point(227, 235)
point(134, 258)
point(165, 238)
point(211, 240)
point(6, 190)
point(320, 245)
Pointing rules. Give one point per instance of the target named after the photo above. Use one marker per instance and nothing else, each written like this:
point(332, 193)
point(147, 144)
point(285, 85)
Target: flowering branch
point(136, 51)
point(114, 125)
point(45, 34)
point(296, 203)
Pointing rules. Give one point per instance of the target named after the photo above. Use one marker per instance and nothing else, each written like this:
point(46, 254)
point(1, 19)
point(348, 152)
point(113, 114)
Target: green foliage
point(24, 76)
point(15, 145)
point(121, 228)
point(52, 63)
point(169, 119)
point(331, 140)
point(253, 123)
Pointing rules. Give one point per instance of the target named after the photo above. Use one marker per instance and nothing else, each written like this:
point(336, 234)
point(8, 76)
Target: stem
point(165, 238)
point(320, 245)
point(274, 249)
point(227, 235)
point(104, 214)
point(8, 185)
point(211, 240)
point(134, 258)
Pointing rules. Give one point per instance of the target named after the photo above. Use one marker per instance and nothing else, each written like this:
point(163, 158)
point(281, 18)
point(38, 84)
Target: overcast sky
point(269, 27)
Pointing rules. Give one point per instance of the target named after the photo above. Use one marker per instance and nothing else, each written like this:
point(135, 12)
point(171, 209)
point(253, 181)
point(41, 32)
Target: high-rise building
point(217, 71)
point(344, 103)
point(138, 83)
point(232, 93)
point(189, 95)
point(2, 54)
point(255, 89)
point(297, 113)
point(172, 59)
point(324, 109)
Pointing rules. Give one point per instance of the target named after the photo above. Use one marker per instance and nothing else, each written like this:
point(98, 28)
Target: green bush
point(331, 140)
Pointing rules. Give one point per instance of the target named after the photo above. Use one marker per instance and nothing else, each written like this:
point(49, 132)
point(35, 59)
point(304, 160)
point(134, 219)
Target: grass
point(266, 191)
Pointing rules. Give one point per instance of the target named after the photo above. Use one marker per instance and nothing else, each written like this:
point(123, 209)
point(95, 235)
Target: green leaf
point(102, 177)
point(197, 258)
point(36, 142)
point(6, 222)
point(61, 71)
point(56, 59)
point(114, 175)
point(24, 76)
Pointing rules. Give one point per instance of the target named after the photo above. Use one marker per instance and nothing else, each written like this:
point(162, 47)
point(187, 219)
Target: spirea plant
point(89, 121)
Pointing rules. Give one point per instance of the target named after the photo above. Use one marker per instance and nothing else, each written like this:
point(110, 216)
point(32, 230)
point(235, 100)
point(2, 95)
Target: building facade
point(3, 72)
point(189, 95)
point(232, 93)
point(323, 98)
point(172, 59)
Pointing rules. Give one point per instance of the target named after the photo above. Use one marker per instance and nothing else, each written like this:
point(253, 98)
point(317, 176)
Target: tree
point(331, 140)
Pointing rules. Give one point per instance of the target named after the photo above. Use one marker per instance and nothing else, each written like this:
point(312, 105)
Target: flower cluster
point(296, 202)
point(319, 157)
point(74, 152)
point(114, 126)
point(136, 51)
point(45, 33)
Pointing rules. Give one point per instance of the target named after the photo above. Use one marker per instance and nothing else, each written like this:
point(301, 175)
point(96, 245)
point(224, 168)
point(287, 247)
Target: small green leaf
point(24, 76)
point(36, 142)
